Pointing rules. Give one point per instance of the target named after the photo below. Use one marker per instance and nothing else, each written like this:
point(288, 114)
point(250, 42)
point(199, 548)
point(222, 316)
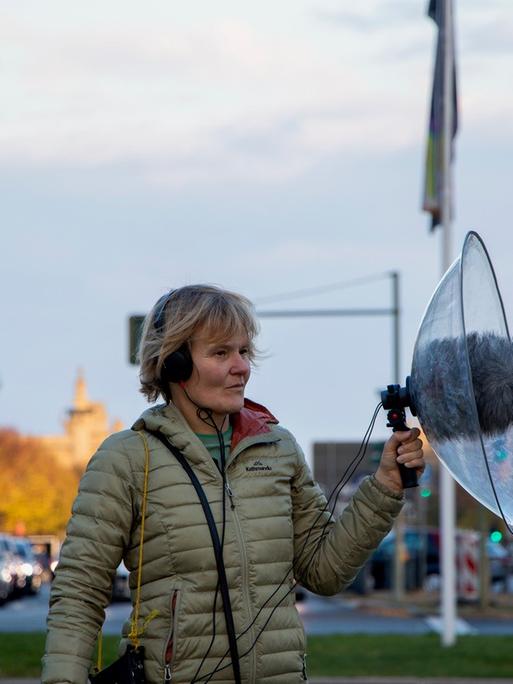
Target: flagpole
point(447, 484)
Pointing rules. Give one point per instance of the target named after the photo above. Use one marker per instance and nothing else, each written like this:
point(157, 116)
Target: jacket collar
point(251, 421)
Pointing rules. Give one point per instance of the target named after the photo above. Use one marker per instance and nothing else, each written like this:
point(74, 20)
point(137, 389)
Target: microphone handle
point(397, 421)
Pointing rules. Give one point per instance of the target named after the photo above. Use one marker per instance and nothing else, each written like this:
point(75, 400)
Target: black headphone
point(177, 366)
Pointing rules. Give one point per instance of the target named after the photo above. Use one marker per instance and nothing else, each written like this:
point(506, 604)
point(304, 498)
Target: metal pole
point(400, 549)
point(395, 312)
point(396, 334)
point(319, 313)
point(484, 570)
point(447, 485)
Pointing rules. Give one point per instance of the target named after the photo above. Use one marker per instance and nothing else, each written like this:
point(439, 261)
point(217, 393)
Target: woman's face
point(220, 373)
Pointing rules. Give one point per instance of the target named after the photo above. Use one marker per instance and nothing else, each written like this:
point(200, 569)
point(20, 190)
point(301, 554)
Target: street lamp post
point(395, 313)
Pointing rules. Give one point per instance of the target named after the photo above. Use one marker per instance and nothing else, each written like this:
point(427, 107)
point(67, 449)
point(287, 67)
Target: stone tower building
point(85, 428)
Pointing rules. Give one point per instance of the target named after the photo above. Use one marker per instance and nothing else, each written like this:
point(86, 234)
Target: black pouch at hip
point(129, 669)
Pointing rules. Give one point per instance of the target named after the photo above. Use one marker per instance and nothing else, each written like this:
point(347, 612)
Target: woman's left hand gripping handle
point(402, 460)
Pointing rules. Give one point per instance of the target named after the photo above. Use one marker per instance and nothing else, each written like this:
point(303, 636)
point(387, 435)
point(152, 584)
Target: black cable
point(356, 460)
point(337, 489)
point(223, 474)
point(321, 289)
point(342, 482)
point(205, 414)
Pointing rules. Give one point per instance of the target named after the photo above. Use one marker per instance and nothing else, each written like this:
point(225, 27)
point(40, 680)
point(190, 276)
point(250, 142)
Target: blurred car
point(121, 587)
point(14, 562)
point(499, 562)
point(25, 570)
point(423, 559)
point(6, 578)
point(422, 549)
point(31, 567)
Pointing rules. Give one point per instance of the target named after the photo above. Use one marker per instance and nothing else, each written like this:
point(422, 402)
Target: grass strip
point(414, 656)
point(20, 654)
point(343, 655)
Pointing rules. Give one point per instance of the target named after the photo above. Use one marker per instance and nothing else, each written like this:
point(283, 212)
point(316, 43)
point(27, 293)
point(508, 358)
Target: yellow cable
point(99, 657)
point(134, 631)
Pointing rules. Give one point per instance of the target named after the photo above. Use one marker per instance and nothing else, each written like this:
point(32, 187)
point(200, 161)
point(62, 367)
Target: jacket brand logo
point(257, 465)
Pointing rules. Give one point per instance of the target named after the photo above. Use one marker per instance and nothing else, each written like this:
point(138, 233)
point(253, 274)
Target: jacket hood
point(253, 419)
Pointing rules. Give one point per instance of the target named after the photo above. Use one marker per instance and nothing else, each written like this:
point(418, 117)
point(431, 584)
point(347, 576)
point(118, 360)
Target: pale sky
point(266, 147)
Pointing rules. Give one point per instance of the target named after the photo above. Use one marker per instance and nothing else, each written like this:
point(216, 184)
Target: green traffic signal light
point(495, 536)
point(425, 492)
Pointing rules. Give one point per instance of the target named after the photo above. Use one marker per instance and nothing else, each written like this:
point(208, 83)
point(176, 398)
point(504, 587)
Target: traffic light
point(495, 535)
point(135, 324)
point(426, 483)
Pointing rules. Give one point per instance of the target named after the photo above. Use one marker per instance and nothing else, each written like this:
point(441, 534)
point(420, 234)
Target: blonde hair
point(180, 313)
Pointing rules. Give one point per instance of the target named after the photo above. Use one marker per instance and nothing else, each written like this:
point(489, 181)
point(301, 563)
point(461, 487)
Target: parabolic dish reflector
point(462, 379)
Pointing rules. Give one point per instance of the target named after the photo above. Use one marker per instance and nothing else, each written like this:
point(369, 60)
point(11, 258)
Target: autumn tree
point(36, 492)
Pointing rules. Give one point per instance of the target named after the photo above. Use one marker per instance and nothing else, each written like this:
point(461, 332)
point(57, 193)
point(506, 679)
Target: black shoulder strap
point(218, 550)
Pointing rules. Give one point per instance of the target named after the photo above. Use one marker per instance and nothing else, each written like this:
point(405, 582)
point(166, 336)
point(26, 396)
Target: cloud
point(373, 16)
point(195, 101)
point(228, 97)
point(490, 38)
point(300, 254)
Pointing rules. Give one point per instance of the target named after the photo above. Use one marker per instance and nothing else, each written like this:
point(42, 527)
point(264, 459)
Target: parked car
point(423, 559)
point(31, 568)
point(14, 562)
point(26, 572)
point(499, 562)
point(6, 578)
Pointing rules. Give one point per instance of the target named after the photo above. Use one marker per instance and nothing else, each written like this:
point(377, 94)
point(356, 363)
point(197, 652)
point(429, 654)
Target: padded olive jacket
point(276, 532)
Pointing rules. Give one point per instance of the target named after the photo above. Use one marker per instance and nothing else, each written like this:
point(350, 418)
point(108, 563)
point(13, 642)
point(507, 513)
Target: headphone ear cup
point(177, 367)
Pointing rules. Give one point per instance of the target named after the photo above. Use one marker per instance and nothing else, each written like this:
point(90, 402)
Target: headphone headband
point(177, 366)
point(160, 319)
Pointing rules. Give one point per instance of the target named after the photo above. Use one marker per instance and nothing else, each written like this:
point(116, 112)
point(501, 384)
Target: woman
point(196, 352)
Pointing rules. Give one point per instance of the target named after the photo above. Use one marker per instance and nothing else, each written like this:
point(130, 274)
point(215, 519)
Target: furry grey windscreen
point(442, 393)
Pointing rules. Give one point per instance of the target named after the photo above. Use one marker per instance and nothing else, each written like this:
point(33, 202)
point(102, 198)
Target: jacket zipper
point(244, 577)
point(170, 643)
point(230, 494)
point(304, 667)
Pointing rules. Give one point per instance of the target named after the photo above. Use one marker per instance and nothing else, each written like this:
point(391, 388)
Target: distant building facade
point(85, 428)
point(336, 462)
point(338, 466)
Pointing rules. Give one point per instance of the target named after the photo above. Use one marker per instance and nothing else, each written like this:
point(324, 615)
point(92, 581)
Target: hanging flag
point(435, 182)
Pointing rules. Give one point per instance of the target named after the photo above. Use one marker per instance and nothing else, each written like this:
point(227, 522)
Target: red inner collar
point(253, 419)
